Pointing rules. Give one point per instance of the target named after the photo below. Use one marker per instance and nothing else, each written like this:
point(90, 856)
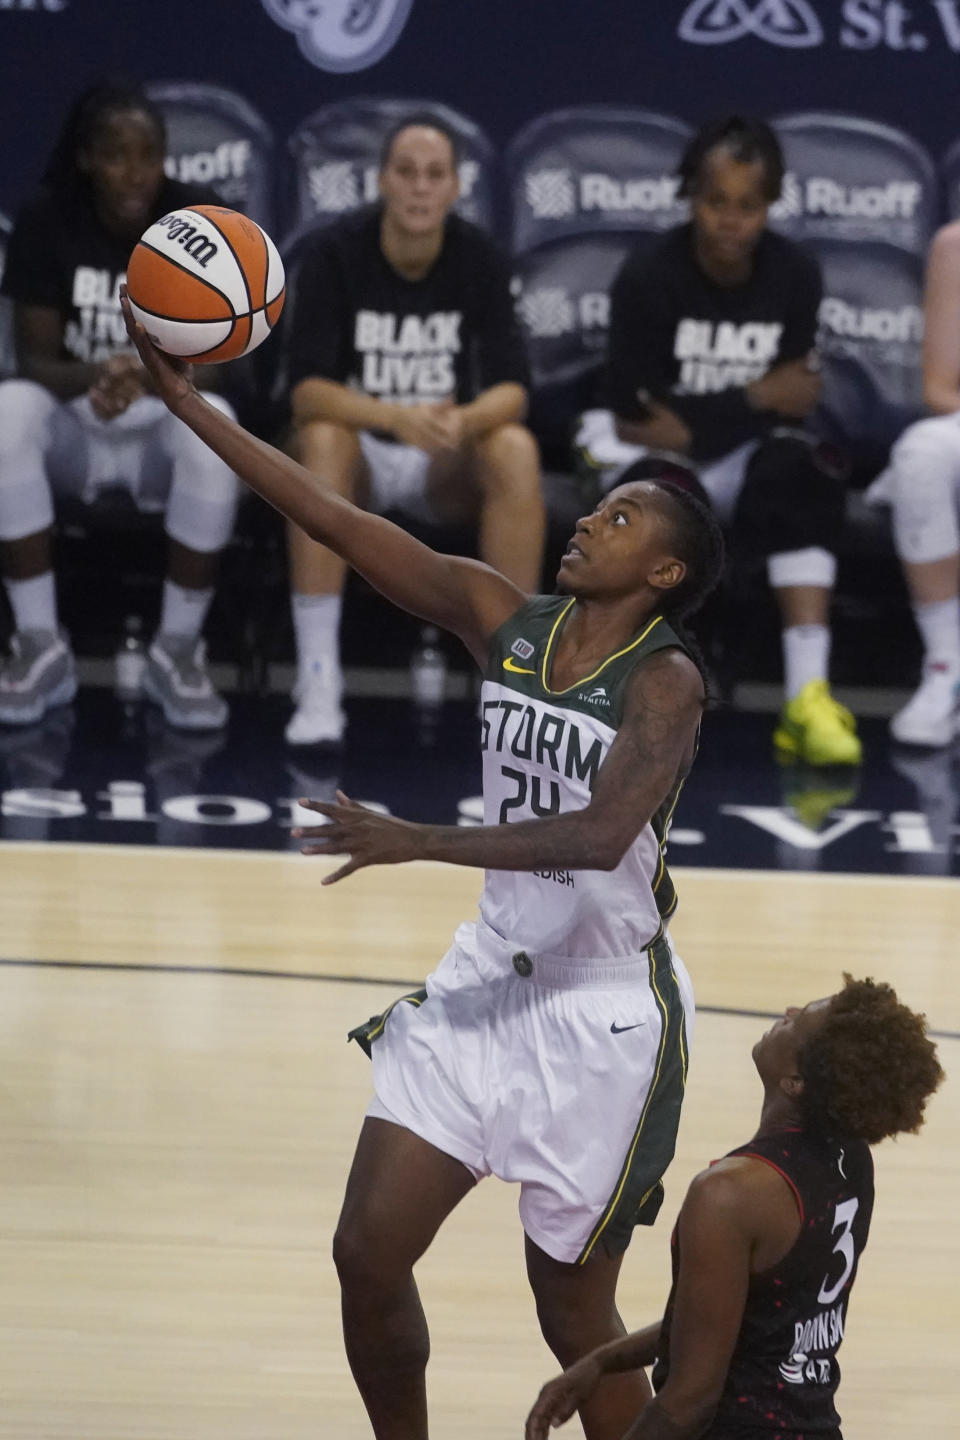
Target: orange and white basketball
point(207, 284)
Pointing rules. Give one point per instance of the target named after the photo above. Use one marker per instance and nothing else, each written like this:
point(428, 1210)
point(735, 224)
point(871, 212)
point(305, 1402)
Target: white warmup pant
point(922, 485)
point(50, 447)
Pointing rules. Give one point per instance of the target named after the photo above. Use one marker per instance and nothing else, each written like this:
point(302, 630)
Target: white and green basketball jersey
point(542, 750)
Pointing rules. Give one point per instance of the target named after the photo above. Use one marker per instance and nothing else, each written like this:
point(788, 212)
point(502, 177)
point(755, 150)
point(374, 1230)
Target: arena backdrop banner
point(500, 64)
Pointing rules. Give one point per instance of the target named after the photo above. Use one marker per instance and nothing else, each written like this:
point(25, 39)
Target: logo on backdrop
point(796, 25)
point(792, 23)
point(555, 193)
point(549, 311)
point(342, 35)
point(337, 186)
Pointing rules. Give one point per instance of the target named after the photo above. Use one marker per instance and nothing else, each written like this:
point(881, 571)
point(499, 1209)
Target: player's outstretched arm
point(653, 746)
point(461, 595)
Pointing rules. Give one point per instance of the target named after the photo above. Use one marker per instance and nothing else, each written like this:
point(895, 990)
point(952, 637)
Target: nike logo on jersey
point(616, 1029)
point(840, 1164)
point(515, 669)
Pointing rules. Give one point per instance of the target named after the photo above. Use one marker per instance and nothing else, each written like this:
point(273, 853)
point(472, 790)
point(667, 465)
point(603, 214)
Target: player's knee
point(791, 500)
point(25, 410)
point(925, 467)
point(568, 1327)
point(360, 1254)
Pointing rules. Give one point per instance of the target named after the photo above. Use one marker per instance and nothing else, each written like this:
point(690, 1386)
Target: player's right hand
point(559, 1398)
point(171, 378)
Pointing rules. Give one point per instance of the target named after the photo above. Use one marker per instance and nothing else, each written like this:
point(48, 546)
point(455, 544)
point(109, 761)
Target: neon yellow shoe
point(816, 730)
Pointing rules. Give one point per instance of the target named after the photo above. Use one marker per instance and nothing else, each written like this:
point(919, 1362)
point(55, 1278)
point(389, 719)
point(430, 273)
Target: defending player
point(766, 1248)
point(550, 1045)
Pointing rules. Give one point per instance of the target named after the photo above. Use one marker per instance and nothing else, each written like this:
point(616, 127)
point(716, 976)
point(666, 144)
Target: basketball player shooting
point(549, 1047)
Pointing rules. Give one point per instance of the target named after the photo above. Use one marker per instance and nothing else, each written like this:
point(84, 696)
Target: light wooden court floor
point(175, 1137)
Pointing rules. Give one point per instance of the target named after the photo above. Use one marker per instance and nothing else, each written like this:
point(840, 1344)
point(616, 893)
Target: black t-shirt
point(693, 344)
point(61, 256)
point(783, 1373)
point(356, 321)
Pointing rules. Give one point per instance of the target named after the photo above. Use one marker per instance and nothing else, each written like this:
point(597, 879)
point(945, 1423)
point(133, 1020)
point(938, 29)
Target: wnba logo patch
point(342, 35)
point(522, 649)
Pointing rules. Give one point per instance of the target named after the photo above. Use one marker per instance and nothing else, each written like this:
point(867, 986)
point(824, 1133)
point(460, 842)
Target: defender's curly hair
point(747, 139)
point(871, 1067)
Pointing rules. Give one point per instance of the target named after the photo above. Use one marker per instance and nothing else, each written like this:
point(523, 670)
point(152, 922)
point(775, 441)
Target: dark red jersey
point(783, 1373)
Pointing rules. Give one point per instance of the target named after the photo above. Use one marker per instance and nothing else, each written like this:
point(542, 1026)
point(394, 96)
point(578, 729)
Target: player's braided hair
point(870, 1067)
point(747, 139)
point(106, 97)
point(699, 543)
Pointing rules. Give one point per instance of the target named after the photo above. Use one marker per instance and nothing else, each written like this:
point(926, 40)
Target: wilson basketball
point(206, 284)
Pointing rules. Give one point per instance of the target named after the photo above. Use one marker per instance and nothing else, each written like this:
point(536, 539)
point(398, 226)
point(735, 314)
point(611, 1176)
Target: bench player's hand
point(426, 427)
point(171, 378)
point(559, 1398)
point(366, 836)
point(791, 388)
point(122, 379)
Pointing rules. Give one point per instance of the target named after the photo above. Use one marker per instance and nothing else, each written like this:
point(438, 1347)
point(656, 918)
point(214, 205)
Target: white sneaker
point(178, 680)
point(932, 715)
point(38, 675)
point(318, 718)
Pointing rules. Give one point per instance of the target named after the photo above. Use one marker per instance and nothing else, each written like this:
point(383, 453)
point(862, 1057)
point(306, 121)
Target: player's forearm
point(660, 1420)
point(561, 842)
point(631, 1352)
point(315, 399)
point(504, 404)
point(399, 566)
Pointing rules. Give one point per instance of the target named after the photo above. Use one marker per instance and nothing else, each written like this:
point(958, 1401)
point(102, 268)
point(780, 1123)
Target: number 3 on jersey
point(843, 1220)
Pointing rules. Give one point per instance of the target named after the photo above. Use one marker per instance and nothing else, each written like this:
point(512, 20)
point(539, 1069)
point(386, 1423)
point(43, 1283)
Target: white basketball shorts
point(565, 1076)
point(398, 476)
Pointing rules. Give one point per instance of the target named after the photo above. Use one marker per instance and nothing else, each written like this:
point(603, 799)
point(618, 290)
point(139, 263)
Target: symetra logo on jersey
point(342, 35)
point(715, 356)
point(408, 358)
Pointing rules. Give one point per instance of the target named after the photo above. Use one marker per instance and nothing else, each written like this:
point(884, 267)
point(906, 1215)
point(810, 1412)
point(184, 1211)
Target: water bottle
point(428, 678)
point(130, 661)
